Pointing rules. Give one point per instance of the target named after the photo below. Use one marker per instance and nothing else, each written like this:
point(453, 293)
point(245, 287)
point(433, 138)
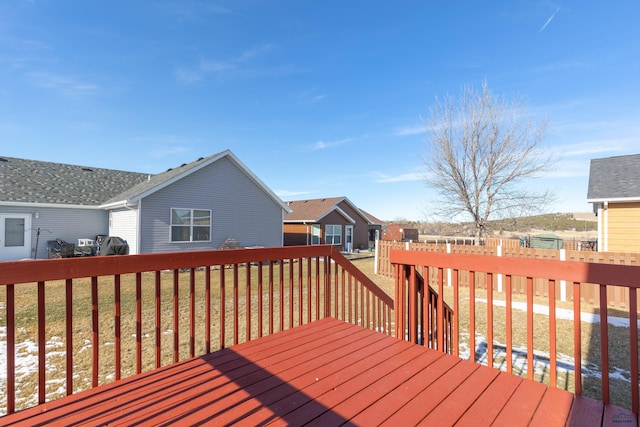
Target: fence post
point(563, 283)
point(499, 253)
point(376, 257)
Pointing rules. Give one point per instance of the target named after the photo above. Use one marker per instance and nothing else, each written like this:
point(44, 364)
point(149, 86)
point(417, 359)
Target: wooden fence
point(589, 293)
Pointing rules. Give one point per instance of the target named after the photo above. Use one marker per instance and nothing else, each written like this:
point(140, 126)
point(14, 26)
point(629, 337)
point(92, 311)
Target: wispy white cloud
point(164, 145)
point(207, 67)
point(611, 147)
point(553, 15)
point(323, 145)
point(190, 11)
point(310, 96)
point(410, 176)
point(66, 85)
point(289, 193)
point(410, 130)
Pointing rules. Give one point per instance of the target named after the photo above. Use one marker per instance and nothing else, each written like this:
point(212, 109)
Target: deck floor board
point(325, 373)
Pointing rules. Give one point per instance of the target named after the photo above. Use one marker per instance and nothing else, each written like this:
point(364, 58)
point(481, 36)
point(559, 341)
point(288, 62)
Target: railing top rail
point(573, 271)
point(13, 272)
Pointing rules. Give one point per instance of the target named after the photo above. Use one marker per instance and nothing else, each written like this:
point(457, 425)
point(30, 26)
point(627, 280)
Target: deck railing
point(425, 313)
point(516, 320)
point(74, 324)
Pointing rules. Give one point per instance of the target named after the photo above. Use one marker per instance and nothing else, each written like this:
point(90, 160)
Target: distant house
point(375, 227)
point(195, 206)
point(400, 232)
point(614, 190)
point(336, 221)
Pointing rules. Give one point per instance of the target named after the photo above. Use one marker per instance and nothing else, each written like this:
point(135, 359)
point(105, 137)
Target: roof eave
point(613, 199)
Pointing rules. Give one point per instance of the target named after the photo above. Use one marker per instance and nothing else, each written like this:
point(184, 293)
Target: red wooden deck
point(327, 372)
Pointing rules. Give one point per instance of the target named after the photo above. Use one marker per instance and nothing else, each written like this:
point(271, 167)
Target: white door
point(15, 236)
point(348, 238)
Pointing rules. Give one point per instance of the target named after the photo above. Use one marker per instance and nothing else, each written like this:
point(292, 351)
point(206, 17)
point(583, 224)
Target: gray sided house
point(196, 206)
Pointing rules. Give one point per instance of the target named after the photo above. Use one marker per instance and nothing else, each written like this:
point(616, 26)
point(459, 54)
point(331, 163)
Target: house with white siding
point(196, 206)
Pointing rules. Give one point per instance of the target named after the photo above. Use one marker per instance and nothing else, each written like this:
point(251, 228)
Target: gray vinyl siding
point(123, 224)
point(68, 224)
point(239, 209)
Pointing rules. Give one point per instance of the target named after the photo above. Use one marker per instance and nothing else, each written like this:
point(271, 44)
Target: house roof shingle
point(313, 210)
point(32, 181)
point(614, 178)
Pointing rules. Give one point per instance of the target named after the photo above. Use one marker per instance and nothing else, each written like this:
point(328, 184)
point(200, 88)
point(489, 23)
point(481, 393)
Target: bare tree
point(481, 150)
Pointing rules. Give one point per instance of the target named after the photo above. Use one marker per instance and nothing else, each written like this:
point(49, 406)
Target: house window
point(315, 234)
point(190, 225)
point(333, 234)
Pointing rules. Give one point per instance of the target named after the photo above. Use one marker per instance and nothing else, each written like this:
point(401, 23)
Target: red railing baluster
point(68, 290)
point(95, 336)
point(117, 326)
point(472, 316)
point(440, 326)
point(309, 287)
point(176, 315)
point(344, 301)
point(271, 297)
point(192, 312)
point(11, 349)
point(604, 344)
point(138, 323)
point(291, 295)
point(530, 367)
point(552, 333)
point(248, 311)
point(223, 307)
point(158, 325)
point(42, 346)
point(300, 292)
point(456, 313)
point(281, 295)
point(317, 288)
point(260, 300)
point(508, 326)
point(633, 345)
point(489, 279)
point(577, 340)
point(207, 308)
point(413, 306)
point(236, 307)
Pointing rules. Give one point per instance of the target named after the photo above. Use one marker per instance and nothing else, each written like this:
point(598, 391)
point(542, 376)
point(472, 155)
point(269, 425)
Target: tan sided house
point(614, 190)
point(336, 221)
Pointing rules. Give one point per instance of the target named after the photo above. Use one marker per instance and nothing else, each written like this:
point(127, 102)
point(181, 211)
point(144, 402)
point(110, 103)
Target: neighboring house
point(375, 228)
point(196, 206)
point(336, 221)
point(614, 190)
point(400, 232)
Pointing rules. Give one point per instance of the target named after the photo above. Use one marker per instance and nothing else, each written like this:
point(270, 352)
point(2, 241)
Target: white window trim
point(327, 234)
point(171, 225)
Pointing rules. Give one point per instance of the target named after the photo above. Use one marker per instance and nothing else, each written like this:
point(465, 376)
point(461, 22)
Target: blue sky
point(318, 99)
